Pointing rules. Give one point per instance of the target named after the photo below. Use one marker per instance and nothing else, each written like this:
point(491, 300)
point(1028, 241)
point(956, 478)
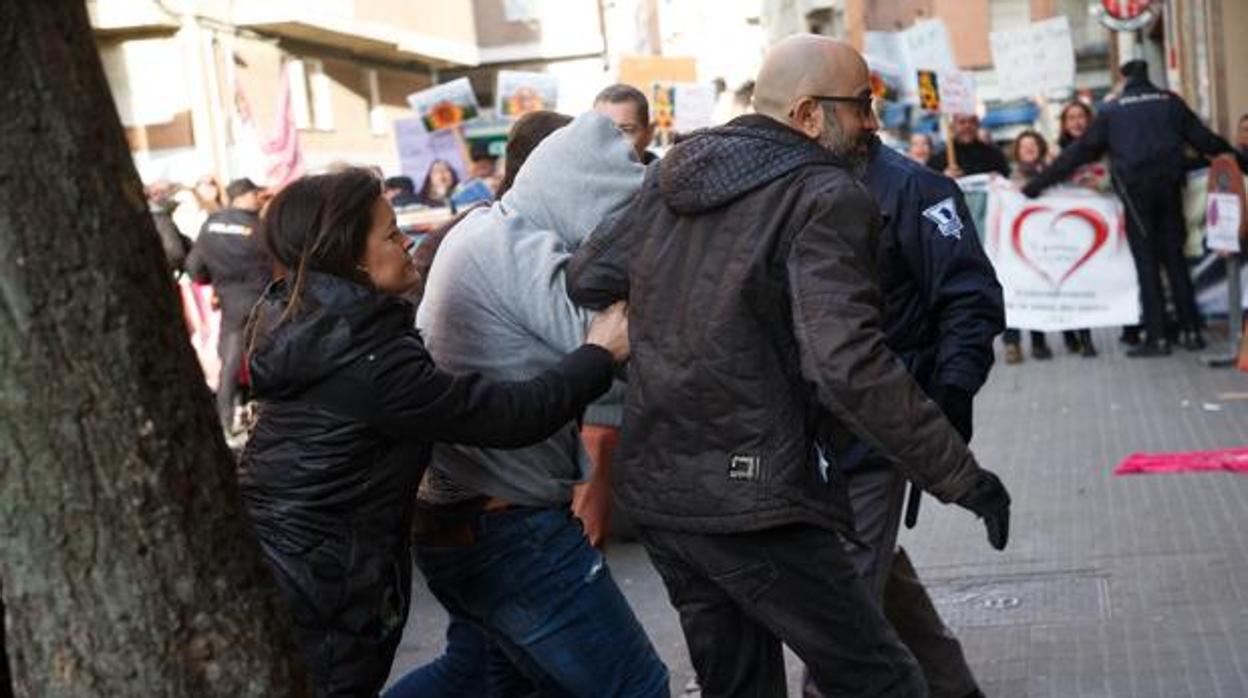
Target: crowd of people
point(1139, 149)
point(755, 345)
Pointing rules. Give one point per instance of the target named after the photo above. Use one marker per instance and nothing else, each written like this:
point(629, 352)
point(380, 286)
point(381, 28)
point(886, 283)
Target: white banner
point(1035, 60)
point(1062, 259)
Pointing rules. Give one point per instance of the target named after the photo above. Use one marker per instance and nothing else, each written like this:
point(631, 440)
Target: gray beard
point(834, 141)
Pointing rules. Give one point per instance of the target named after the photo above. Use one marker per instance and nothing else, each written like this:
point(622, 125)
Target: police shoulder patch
point(945, 216)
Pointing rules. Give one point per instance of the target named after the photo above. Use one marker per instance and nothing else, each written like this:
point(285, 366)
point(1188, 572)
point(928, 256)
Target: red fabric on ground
point(1230, 459)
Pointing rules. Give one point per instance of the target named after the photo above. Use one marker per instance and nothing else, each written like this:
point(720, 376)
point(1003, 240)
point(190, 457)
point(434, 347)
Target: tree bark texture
point(128, 565)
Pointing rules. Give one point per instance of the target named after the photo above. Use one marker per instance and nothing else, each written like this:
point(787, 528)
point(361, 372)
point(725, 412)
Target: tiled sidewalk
point(1127, 587)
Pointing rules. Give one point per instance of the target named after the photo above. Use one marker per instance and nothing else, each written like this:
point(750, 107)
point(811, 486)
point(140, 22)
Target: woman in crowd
point(439, 184)
point(1075, 118)
point(350, 403)
point(920, 148)
point(1030, 154)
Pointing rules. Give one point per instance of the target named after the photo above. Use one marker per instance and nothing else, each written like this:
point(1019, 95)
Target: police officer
point(943, 308)
point(1144, 132)
point(228, 255)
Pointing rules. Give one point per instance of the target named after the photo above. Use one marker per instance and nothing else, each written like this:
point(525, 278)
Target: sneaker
point(1013, 354)
point(1041, 352)
point(1130, 336)
point(1148, 350)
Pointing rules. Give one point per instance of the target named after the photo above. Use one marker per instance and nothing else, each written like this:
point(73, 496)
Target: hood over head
point(338, 321)
point(579, 176)
point(715, 166)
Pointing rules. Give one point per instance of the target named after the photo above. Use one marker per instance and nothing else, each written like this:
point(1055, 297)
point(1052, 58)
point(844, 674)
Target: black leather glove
point(956, 404)
point(1031, 191)
point(990, 501)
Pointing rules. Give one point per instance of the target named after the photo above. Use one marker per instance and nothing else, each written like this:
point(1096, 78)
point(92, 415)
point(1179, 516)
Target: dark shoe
point(1148, 350)
point(1193, 341)
point(1073, 343)
point(1130, 336)
point(1013, 354)
point(1087, 351)
point(1041, 352)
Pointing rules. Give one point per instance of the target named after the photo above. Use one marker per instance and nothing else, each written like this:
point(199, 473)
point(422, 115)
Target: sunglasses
point(865, 103)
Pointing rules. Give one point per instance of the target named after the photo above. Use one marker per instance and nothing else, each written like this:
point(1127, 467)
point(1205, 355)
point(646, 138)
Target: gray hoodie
point(495, 301)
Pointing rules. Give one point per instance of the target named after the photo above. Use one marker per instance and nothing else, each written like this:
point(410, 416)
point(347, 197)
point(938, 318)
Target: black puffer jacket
point(748, 259)
point(349, 403)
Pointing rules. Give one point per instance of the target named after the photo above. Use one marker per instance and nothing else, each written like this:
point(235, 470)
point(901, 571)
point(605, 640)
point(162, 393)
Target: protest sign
point(1062, 260)
point(1222, 220)
point(418, 149)
point(680, 107)
point(957, 93)
point(1034, 60)
point(446, 105)
point(946, 92)
point(519, 93)
point(643, 71)
point(924, 46)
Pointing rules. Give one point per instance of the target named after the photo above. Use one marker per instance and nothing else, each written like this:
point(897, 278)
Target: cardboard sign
point(929, 90)
point(1034, 60)
point(418, 149)
point(1223, 218)
point(924, 46)
point(680, 107)
point(445, 106)
point(643, 71)
point(1062, 260)
point(946, 92)
point(519, 93)
point(957, 93)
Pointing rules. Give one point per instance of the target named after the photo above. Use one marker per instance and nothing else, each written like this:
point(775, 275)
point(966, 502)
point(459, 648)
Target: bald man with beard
point(748, 260)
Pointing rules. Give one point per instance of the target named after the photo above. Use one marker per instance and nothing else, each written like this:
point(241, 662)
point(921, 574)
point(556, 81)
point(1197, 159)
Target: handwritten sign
point(1034, 60)
point(1223, 216)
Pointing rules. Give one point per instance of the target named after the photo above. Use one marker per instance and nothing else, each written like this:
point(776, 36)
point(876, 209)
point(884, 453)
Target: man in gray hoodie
point(497, 541)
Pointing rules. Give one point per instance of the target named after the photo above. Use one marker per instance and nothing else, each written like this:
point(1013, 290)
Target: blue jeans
point(471, 667)
point(533, 582)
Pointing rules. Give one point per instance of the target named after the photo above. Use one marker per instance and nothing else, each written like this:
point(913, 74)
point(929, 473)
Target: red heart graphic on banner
point(1100, 234)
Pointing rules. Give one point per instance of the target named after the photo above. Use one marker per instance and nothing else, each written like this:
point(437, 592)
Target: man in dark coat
point(748, 259)
point(973, 155)
point(228, 255)
point(1144, 132)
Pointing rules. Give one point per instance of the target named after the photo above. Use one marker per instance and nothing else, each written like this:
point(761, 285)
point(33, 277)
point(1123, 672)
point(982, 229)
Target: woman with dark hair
point(1075, 119)
point(350, 403)
point(1030, 155)
point(439, 184)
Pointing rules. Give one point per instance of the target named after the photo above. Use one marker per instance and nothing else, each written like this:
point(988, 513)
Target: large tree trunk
point(129, 566)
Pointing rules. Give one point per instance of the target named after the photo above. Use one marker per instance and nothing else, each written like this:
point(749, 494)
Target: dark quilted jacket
point(748, 260)
point(349, 404)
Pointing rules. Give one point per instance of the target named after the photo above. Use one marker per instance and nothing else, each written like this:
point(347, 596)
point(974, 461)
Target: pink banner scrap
point(1233, 460)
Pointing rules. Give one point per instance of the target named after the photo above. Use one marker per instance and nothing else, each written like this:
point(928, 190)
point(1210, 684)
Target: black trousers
point(230, 349)
point(742, 595)
point(878, 497)
point(1158, 244)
